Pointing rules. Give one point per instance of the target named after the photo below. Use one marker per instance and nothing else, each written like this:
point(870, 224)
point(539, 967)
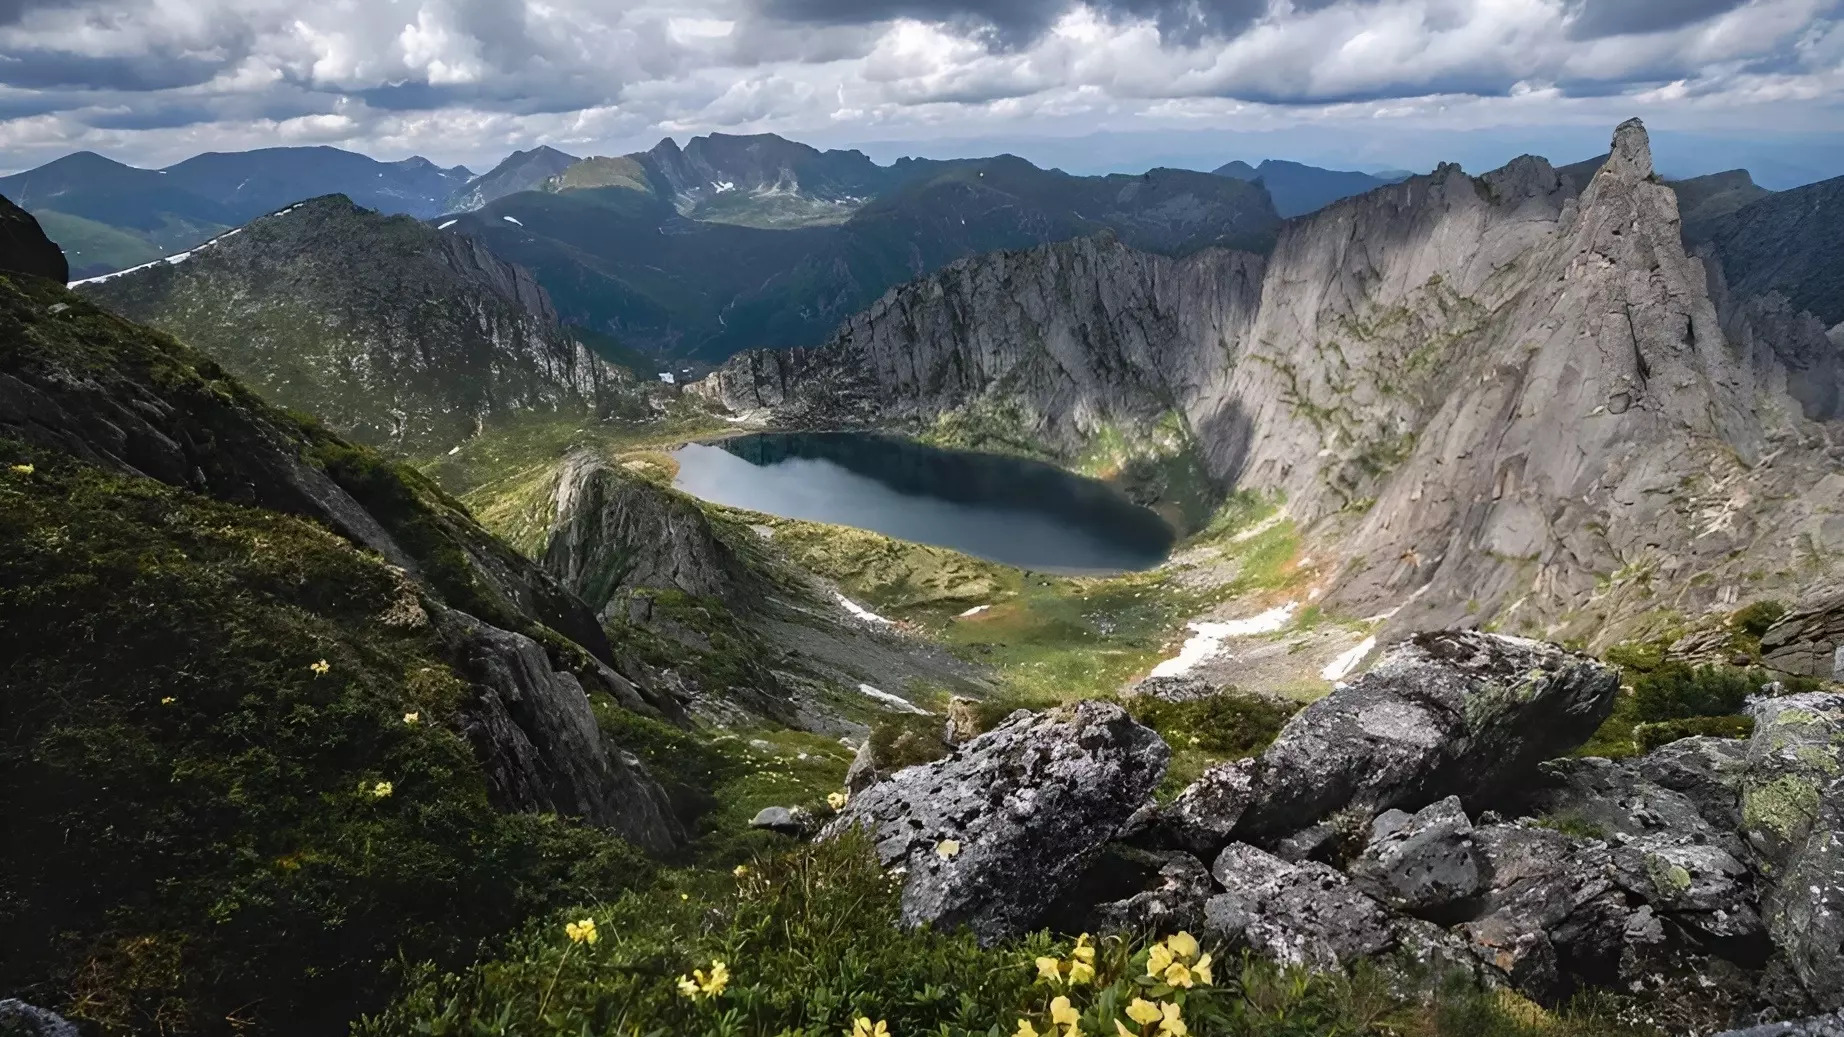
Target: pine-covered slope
point(1501, 398)
point(391, 332)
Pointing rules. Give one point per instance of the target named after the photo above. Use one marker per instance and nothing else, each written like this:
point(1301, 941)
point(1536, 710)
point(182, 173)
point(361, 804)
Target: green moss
point(192, 831)
point(1785, 807)
point(1573, 825)
point(1647, 737)
point(1207, 731)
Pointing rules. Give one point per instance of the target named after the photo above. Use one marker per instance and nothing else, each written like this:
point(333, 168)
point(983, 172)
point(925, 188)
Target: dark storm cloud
point(54, 69)
point(1593, 19)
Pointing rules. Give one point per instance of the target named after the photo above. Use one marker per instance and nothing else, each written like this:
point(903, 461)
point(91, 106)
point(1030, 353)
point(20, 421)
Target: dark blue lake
point(1005, 509)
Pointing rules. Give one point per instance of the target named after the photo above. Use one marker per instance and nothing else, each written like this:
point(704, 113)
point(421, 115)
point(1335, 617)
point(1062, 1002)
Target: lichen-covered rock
point(1453, 713)
point(1615, 799)
point(993, 834)
point(1707, 771)
point(1424, 864)
point(1139, 893)
point(1796, 750)
point(1298, 914)
point(1831, 1025)
point(18, 1019)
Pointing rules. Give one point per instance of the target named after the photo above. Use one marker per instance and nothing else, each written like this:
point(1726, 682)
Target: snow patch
point(446, 224)
point(974, 611)
point(860, 611)
point(666, 376)
point(893, 701)
point(723, 185)
point(1206, 640)
point(1340, 668)
point(512, 221)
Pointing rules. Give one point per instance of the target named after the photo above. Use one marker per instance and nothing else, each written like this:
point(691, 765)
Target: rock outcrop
point(391, 332)
point(18, 1019)
point(24, 248)
point(992, 835)
point(1505, 386)
point(1442, 714)
point(1299, 914)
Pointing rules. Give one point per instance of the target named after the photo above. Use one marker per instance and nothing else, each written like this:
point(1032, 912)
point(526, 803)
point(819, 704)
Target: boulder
point(1831, 1025)
point(1454, 713)
point(1807, 640)
point(1424, 864)
point(1297, 914)
point(1617, 801)
point(992, 835)
point(1706, 770)
point(789, 821)
point(18, 1019)
point(1140, 893)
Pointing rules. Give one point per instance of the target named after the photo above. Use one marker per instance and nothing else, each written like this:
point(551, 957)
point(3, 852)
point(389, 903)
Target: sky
point(1088, 86)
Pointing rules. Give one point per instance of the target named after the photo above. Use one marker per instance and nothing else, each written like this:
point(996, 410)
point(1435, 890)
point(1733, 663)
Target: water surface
point(1008, 510)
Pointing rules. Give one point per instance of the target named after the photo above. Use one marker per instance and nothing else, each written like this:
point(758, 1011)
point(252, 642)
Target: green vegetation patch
point(238, 792)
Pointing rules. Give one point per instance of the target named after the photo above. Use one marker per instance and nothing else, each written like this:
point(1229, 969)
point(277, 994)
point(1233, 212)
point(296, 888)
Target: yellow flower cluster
point(1062, 1015)
point(1177, 963)
point(1170, 1018)
point(1079, 969)
point(320, 668)
point(382, 789)
point(864, 1027)
point(412, 718)
point(699, 985)
point(24, 469)
point(582, 932)
point(741, 871)
point(837, 801)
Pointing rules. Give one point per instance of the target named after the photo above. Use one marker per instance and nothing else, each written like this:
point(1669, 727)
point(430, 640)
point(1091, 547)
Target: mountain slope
point(394, 333)
point(1498, 398)
point(1298, 189)
point(764, 180)
point(521, 171)
point(1792, 243)
point(304, 703)
point(620, 259)
point(25, 249)
point(172, 209)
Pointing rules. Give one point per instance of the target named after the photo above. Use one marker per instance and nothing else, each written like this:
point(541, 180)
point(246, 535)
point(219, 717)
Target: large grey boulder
point(1707, 771)
point(994, 833)
point(1424, 864)
point(1793, 819)
point(1807, 640)
point(18, 1019)
point(1441, 714)
point(1831, 1025)
point(1297, 914)
point(1617, 800)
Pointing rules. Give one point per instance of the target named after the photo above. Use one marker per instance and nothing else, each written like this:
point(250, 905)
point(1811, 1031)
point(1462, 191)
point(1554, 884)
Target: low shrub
point(1647, 737)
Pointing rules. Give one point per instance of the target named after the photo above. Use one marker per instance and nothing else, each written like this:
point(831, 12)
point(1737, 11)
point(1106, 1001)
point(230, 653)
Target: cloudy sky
point(1372, 82)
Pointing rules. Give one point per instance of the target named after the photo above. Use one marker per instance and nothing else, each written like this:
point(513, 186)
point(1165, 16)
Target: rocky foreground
point(1424, 816)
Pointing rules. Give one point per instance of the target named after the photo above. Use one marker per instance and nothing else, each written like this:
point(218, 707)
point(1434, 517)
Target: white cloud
point(467, 80)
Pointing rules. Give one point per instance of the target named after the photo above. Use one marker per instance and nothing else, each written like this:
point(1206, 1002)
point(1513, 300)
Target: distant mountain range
point(109, 216)
point(739, 242)
point(1299, 189)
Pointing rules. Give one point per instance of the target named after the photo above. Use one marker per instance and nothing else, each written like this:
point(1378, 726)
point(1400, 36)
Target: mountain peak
point(1632, 151)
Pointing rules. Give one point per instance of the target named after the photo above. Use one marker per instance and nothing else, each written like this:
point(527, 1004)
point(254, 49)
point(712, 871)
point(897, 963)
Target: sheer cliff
point(391, 332)
point(1509, 398)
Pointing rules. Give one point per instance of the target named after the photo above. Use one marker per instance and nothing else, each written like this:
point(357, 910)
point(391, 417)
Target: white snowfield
point(896, 702)
point(861, 612)
point(1206, 640)
point(1340, 668)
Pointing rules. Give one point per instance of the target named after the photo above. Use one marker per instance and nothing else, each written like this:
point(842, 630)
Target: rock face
point(1452, 713)
point(533, 729)
point(389, 331)
point(24, 248)
point(24, 1020)
point(1423, 864)
point(1520, 381)
point(1299, 914)
point(994, 833)
point(1809, 639)
point(613, 534)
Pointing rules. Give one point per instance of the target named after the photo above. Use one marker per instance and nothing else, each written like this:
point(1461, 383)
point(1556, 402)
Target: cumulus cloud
point(153, 80)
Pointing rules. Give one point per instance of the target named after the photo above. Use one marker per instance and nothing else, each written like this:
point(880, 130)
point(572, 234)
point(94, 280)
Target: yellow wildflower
point(1081, 972)
point(946, 849)
point(684, 896)
point(382, 789)
point(1050, 969)
point(1120, 1029)
point(1064, 1014)
point(688, 987)
point(1025, 1029)
point(24, 469)
point(1143, 1011)
point(864, 1027)
point(169, 700)
point(1084, 950)
point(720, 978)
point(1178, 975)
point(320, 668)
point(1158, 959)
point(1201, 970)
point(1172, 1024)
point(837, 800)
point(412, 718)
point(1183, 945)
point(741, 871)
point(582, 932)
